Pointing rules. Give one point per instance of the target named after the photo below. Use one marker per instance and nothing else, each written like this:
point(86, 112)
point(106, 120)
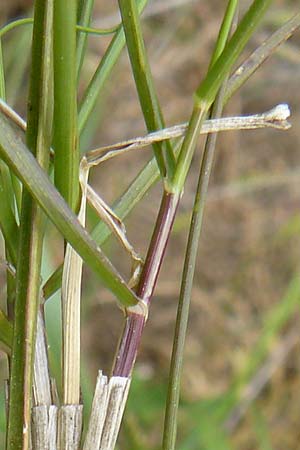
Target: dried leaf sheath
point(71, 302)
point(107, 411)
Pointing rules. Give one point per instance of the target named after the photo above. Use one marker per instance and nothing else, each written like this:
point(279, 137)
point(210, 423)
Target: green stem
point(170, 425)
point(149, 175)
point(123, 206)
point(20, 160)
point(206, 92)
point(224, 31)
point(16, 23)
point(2, 77)
point(7, 219)
point(145, 85)
point(8, 193)
point(38, 138)
point(188, 147)
point(53, 283)
point(8, 224)
point(97, 31)
point(85, 14)
point(6, 333)
point(81, 28)
point(11, 186)
point(65, 139)
point(102, 73)
point(134, 324)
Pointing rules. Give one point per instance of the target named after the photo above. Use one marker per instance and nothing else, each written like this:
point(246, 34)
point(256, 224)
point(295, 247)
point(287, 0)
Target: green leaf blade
point(21, 161)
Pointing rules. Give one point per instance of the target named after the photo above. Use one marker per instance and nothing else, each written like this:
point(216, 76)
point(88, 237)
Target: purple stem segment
point(135, 323)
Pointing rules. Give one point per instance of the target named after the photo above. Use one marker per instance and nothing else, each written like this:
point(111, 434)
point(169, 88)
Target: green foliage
point(25, 168)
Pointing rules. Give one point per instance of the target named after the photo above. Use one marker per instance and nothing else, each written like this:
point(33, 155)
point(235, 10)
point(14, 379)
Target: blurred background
point(241, 379)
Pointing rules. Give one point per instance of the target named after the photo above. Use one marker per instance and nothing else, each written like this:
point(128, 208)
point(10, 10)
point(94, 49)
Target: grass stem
point(135, 323)
point(32, 223)
point(65, 139)
point(172, 404)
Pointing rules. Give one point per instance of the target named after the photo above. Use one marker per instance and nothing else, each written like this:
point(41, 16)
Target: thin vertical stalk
point(86, 10)
point(188, 147)
point(145, 85)
point(38, 139)
point(65, 140)
point(2, 77)
point(170, 425)
point(224, 32)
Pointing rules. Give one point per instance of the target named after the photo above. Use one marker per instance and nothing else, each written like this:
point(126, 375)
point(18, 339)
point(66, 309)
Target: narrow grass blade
point(261, 377)
point(6, 332)
point(20, 160)
point(149, 175)
point(206, 92)
point(8, 224)
point(208, 88)
point(256, 59)
point(84, 20)
point(102, 73)
point(272, 325)
point(275, 118)
point(9, 193)
point(145, 85)
point(53, 283)
point(2, 77)
point(13, 140)
point(224, 30)
point(16, 23)
point(81, 28)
